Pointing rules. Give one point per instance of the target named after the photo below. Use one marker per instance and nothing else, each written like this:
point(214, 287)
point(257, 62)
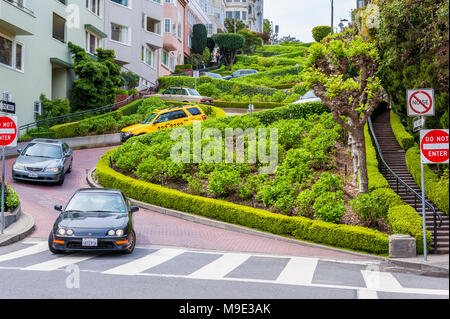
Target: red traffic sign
point(8, 131)
point(434, 146)
point(420, 102)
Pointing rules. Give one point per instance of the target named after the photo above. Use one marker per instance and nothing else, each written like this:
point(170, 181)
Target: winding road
point(153, 228)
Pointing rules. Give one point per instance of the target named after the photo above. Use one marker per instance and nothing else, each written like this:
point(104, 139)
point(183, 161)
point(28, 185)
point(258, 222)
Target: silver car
point(43, 160)
point(308, 97)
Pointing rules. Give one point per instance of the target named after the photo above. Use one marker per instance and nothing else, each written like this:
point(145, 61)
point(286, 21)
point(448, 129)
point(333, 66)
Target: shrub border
point(403, 138)
point(342, 236)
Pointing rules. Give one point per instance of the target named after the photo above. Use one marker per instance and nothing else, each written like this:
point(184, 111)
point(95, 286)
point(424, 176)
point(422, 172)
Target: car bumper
point(125, 137)
point(36, 176)
point(103, 244)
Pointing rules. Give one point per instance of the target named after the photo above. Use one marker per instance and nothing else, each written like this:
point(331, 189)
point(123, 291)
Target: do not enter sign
point(8, 131)
point(434, 146)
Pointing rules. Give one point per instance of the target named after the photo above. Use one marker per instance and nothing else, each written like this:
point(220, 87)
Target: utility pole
point(332, 16)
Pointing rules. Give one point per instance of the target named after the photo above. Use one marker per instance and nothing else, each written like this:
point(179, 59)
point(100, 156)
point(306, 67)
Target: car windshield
point(194, 92)
point(43, 150)
point(96, 202)
point(150, 118)
point(309, 95)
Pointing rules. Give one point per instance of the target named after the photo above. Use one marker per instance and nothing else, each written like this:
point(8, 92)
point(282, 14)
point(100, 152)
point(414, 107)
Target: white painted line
point(380, 280)
point(7, 131)
point(61, 262)
point(439, 146)
point(37, 248)
point(220, 267)
point(151, 260)
point(298, 271)
point(367, 294)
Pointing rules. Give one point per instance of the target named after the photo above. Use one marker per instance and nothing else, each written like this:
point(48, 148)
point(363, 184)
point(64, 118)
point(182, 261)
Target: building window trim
point(14, 44)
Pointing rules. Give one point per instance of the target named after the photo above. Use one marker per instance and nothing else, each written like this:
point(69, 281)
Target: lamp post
point(332, 16)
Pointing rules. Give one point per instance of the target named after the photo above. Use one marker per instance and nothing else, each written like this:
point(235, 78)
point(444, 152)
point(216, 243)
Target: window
point(177, 115)
point(6, 51)
point(151, 25)
point(167, 25)
point(148, 56)
point(92, 43)
point(125, 3)
point(37, 108)
point(165, 58)
point(244, 15)
point(119, 33)
point(229, 14)
point(19, 57)
point(93, 6)
point(172, 62)
point(194, 111)
point(237, 15)
point(59, 28)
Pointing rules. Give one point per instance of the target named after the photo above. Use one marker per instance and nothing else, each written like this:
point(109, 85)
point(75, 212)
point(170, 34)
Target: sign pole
point(3, 189)
point(424, 216)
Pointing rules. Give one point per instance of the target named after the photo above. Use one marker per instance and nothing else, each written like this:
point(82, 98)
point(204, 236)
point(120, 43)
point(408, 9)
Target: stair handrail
point(50, 120)
point(399, 180)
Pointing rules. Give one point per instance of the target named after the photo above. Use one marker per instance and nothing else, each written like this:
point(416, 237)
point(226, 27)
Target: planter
point(12, 216)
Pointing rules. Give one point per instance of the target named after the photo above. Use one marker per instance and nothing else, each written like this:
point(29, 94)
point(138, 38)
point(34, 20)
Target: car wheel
point(132, 243)
point(50, 245)
point(61, 179)
point(70, 167)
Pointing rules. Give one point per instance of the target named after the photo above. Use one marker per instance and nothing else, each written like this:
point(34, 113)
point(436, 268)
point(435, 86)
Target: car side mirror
point(134, 209)
point(58, 208)
point(19, 150)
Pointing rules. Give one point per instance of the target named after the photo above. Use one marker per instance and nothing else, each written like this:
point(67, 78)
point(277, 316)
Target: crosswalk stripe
point(298, 271)
point(61, 262)
point(380, 280)
point(367, 294)
point(35, 249)
point(220, 267)
point(136, 266)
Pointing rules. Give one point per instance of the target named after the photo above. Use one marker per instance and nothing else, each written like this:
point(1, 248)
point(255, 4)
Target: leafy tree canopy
point(234, 25)
point(320, 32)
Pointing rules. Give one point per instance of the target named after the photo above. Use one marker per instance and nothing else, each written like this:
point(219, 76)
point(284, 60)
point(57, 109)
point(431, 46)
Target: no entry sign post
point(434, 149)
point(8, 137)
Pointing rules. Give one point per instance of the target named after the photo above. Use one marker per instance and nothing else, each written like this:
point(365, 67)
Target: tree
point(234, 25)
point(267, 27)
point(97, 78)
point(199, 38)
point(251, 40)
point(413, 41)
point(129, 80)
point(320, 32)
point(211, 44)
point(53, 108)
point(342, 72)
point(229, 44)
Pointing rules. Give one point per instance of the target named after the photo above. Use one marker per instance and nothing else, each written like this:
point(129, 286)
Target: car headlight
point(69, 232)
point(53, 170)
point(19, 166)
point(61, 231)
point(111, 232)
point(119, 232)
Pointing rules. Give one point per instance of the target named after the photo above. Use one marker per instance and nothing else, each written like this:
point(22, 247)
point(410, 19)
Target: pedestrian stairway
point(394, 157)
point(362, 276)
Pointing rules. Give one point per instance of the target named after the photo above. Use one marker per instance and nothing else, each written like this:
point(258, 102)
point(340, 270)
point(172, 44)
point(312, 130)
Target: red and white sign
point(420, 102)
point(434, 147)
point(8, 130)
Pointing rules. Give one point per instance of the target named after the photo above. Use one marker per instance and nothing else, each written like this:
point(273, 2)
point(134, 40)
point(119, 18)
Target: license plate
point(89, 242)
point(33, 175)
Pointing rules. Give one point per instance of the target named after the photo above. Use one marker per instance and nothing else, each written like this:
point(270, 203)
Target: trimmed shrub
point(403, 138)
point(321, 32)
point(199, 38)
point(344, 236)
point(404, 219)
point(436, 191)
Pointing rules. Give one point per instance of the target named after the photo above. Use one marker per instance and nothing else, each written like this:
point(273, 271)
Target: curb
point(19, 230)
point(387, 264)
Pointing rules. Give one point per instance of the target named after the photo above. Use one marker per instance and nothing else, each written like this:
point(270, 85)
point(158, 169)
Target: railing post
point(435, 232)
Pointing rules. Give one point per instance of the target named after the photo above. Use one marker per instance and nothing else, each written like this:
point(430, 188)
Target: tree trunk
point(360, 149)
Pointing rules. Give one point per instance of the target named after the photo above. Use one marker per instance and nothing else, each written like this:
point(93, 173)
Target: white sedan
point(308, 97)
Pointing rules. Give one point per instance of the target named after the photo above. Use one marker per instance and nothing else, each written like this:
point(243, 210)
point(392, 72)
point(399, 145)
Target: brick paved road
point(151, 228)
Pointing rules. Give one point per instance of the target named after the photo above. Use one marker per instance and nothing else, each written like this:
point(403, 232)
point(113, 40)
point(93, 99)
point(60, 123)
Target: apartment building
point(34, 53)
point(251, 12)
point(195, 14)
point(134, 31)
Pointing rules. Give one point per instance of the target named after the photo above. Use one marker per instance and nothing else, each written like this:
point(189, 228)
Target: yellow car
point(165, 119)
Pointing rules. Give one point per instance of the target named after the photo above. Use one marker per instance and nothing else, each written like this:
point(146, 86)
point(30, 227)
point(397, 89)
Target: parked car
point(240, 73)
point(168, 118)
point(184, 95)
point(43, 160)
point(94, 219)
point(212, 75)
point(308, 97)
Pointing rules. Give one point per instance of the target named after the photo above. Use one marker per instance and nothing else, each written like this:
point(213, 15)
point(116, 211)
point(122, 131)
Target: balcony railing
point(19, 4)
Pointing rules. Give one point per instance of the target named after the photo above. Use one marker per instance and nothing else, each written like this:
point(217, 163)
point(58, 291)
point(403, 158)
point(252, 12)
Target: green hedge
point(226, 87)
point(376, 179)
point(405, 139)
point(71, 129)
point(404, 219)
point(344, 236)
point(438, 194)
point(244, 105)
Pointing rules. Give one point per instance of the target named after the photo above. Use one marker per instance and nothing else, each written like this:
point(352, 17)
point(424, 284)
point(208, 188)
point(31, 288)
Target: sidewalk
point(18, 230)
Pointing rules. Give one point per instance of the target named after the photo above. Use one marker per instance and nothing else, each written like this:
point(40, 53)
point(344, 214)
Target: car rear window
point(177, 115)
point(194, 92)
point(194, 111)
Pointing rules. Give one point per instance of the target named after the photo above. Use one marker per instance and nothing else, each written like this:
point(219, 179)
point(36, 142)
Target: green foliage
point(223, 182)
point(199, 38)
point(11, 198)
point(96, 80)
point(129, 80)
point(251, 40)
point(368, 208)
point(234, 25)
point(229, 44)
point(405, 139)
point(329, 207)
point(320, 32)
point(53, 108)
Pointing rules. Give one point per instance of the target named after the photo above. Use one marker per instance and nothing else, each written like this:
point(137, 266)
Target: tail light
point(202, 101)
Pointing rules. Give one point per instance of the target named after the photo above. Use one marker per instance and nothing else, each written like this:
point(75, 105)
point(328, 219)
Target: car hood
point(133, 127)
point(41, 162)
point(92, 220)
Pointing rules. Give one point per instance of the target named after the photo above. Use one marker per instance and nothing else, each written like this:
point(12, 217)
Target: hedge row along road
point(151, 228)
